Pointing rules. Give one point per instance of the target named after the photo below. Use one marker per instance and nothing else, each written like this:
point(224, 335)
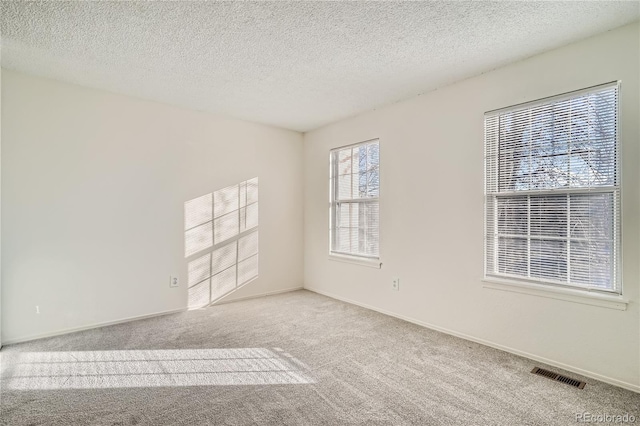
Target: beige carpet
point(292, 359)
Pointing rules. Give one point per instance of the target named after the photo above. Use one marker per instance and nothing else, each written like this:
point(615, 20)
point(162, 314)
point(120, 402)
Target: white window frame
point(567, 291)
point(349, 257)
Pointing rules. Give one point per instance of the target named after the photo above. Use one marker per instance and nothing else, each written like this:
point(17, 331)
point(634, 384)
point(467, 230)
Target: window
point(552, 191)
point(355, 187)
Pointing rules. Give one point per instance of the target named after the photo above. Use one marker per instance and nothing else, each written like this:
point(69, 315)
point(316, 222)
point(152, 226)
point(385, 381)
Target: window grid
point(552, 172)
point(354, 200)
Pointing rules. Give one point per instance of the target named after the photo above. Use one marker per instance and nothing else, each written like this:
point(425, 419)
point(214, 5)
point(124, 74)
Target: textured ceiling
point(295, 65)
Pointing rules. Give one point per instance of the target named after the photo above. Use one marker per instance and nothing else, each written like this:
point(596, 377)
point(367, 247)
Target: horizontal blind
point(552, 190)
point(355, 188)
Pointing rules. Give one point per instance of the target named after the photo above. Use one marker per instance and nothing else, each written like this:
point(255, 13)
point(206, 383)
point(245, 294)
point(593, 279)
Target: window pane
point(592, 216)
point(373, 171)
point(345, 161)
point(347, 214)
point(512, 256)
point(347, 240)
point(360, 155)
point(358, 228)
point(549, 259)
point(592, 263)
point(373, 156)
point(373, 183)
point(345, 187)
point(512, 215)
point(371, 244)
point(514, 170)
point(549, 215)
point(362, 183)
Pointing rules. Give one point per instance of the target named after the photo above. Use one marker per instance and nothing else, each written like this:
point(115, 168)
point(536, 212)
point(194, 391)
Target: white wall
point(93, 188)
point(431, 214)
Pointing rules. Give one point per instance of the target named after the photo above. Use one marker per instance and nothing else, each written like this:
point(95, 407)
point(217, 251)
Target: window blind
point(355, 188)
point(552, 191)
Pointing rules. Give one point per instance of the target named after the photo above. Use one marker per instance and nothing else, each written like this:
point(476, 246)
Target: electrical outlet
point(37, 309)
point(174, 282)
point(395, 284)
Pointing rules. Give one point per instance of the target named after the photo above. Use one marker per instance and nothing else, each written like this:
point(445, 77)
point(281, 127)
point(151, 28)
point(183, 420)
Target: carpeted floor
point(292, 359)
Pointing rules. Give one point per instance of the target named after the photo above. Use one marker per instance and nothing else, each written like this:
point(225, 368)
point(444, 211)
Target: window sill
point(372, 263)
point(577, 296)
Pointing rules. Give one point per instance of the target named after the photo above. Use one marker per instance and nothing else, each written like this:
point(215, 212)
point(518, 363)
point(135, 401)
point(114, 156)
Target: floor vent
point(558, 377)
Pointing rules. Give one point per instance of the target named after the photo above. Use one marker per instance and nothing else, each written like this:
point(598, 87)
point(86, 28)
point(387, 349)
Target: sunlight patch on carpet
point(154, 368)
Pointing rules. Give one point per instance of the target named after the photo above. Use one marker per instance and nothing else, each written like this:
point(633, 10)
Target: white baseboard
point(134, 318)
point(88, 327)
point(586, 373)
point(255, 296)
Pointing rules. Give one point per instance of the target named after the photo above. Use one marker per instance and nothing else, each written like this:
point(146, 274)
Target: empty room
point(320, 213)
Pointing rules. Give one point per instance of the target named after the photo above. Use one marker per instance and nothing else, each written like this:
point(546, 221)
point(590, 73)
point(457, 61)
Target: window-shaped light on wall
point(198, 226)
point(221, 241)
